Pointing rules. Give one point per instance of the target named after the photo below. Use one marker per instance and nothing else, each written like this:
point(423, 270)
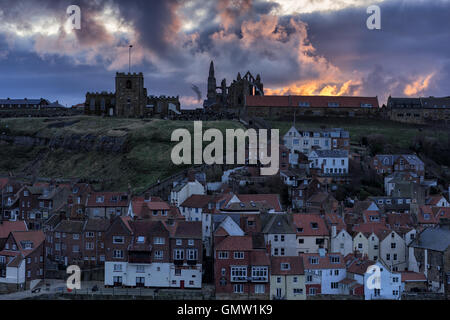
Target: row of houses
point(246, 266)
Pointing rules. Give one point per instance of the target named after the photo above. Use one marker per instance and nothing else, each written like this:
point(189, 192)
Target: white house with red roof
point(287, 278)
point(390, 285)
point(183, 190)
point(22, 260)
point(393, 250)
point(366, 239)
point(323, 272)
point(312, 233)
point(340, 240)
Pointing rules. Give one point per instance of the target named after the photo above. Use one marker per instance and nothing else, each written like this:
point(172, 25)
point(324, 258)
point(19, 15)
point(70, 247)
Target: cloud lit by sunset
point(298, 47)
point(418, 86)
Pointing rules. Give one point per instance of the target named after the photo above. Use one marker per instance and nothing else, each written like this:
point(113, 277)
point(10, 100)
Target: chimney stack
point(333, 231)
point(322, 252)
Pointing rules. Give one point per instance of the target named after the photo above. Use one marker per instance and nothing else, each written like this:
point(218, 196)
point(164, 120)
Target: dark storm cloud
point(155, 21)
point(413, 40)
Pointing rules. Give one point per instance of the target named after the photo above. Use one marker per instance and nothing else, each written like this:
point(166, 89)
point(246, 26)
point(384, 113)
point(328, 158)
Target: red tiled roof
point(295, 265)
point(335, 219)
point(426, 210)
point(188, 229)
point(412, 276)
point(305, 221)
point(442, 213)
point(323, 262)
point(244, 243)
point(272, 200)
point(259, 258)
point(6, 227)
point(126, 222)
point(400, 219)
point(142, 199)
point(314, 101)
point(357, 264)
point(36, 237)
point(371, 227)
point(434, 200)
point(142, 208)
point(197, 201)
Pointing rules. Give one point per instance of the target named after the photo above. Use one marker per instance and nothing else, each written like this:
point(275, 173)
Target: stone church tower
point(131, 96)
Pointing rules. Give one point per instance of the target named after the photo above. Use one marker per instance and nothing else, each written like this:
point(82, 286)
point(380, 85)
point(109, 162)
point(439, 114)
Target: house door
point(278, 292)
point(182, 284)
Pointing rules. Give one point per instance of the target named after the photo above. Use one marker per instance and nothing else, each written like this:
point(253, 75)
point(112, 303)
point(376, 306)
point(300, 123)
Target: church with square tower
point(130, 100)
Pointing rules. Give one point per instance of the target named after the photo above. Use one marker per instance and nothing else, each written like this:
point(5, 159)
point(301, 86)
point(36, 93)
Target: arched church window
point(128, 84)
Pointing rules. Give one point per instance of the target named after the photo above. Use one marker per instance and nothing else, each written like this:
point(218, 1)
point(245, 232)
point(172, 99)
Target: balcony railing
point(192, 262)
point(178, 262)
point(259, 279)
point(239, 279)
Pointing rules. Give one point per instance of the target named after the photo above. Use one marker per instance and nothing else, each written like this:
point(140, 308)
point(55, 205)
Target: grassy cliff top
point(147, 158)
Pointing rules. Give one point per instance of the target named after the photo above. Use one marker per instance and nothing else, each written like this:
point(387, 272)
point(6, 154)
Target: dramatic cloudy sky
point(298, 46)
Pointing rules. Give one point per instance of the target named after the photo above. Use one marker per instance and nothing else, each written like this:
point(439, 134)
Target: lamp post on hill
point(129, 58)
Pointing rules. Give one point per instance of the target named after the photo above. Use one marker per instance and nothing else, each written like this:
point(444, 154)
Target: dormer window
point(285, 266)
point(100, 199)
point(335, 259)
point(314, 225)
point(118, 240)
point(313, 260)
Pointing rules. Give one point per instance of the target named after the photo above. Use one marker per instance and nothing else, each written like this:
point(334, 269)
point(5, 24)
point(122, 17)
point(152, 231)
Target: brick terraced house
point(241, 266)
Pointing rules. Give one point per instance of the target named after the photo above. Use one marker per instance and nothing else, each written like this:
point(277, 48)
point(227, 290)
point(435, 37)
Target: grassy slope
point(147, 161)
point(397, 134)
